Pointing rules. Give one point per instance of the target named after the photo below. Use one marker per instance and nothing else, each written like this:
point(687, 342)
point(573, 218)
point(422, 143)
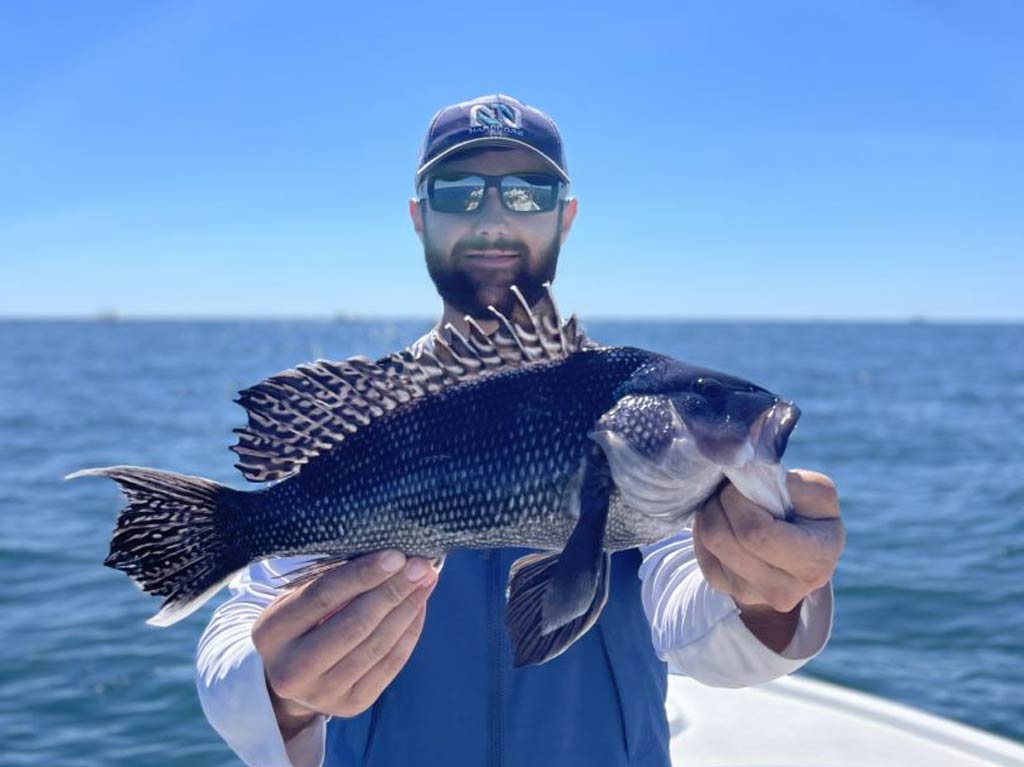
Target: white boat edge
point(799, 721)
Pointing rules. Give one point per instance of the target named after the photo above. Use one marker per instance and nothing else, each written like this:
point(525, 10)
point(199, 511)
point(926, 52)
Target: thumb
point(813, 494)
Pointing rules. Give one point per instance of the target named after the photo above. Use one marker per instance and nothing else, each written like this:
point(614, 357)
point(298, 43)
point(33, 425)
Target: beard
point(471, 291)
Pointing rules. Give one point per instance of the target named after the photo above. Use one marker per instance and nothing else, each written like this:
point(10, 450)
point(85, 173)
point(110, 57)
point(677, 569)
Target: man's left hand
point(765, 564)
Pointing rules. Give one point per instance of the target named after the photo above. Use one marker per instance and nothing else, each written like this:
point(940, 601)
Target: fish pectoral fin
point(527, 586)
point(300, 576)
point(553, 599)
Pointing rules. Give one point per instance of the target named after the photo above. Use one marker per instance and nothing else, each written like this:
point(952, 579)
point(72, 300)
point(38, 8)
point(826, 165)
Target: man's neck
point(487, 321)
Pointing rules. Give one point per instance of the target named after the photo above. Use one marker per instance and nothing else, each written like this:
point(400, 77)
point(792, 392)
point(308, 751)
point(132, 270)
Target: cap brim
point(487, 141)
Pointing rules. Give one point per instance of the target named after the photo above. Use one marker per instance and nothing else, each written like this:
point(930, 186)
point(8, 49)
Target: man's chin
point(497, 295)
point(472, 296)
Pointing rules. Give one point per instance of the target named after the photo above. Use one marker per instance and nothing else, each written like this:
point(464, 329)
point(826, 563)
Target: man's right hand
point(332, 646)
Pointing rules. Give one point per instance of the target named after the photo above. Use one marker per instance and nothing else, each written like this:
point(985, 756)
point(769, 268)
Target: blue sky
point(731, 159)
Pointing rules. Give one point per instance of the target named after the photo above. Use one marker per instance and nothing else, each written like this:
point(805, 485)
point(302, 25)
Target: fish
point(527, 435)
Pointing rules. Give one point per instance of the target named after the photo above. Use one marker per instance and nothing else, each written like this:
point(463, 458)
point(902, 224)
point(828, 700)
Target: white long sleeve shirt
point(695, 629)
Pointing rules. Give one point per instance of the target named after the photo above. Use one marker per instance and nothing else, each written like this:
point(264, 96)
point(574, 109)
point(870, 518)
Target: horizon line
point(342, 318)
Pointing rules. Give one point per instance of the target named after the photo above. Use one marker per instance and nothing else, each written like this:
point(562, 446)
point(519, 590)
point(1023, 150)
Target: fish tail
point(174, 538)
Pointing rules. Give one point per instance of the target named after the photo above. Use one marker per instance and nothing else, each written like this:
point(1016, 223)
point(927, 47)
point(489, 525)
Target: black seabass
point(526, 436)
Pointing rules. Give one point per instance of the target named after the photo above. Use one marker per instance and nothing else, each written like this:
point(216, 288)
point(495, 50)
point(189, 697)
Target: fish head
point(678, 430)
point(730, 420)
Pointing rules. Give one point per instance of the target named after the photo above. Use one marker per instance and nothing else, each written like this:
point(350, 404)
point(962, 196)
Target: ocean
point(921, 426)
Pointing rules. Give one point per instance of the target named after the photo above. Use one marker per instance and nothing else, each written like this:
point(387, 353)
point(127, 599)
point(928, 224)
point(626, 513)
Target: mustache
point(480, 243)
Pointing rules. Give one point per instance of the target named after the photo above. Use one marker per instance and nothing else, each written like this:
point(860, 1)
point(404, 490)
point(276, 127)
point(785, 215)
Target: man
point(328, 673)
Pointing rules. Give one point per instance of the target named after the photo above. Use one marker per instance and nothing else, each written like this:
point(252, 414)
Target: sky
point(731, 159)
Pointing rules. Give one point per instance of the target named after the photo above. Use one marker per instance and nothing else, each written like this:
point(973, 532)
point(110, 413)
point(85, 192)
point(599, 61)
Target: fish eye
point(709, 387)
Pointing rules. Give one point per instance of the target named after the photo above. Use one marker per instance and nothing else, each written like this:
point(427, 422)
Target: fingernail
point(392, 561)
point(416, 569)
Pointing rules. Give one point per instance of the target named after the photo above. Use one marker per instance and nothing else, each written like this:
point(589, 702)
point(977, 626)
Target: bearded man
point(381, 662)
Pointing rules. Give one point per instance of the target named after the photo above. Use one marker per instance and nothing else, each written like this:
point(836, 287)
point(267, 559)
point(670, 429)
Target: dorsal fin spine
point(511, 330)
point(557, 319)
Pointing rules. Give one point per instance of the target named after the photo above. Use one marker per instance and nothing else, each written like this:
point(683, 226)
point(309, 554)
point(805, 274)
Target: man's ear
point(568, 214)
point(416, 214)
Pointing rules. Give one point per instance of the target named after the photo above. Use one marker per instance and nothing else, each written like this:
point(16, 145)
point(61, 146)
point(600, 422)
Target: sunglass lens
point(457, 195)
point(529, 193)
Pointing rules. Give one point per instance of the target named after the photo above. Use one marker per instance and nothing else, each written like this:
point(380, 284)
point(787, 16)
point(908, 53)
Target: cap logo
point(495, 116)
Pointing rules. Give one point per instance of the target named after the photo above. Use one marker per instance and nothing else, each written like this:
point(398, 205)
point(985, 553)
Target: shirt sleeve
point(698, 631)
point(231, 682)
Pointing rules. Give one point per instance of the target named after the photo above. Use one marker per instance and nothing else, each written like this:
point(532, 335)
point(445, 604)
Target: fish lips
point(769, 434)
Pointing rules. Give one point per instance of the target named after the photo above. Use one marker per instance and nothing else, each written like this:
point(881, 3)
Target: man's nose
point(491, 220)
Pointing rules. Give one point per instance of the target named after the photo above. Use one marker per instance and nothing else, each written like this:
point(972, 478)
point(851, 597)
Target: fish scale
point(529, 435)
point(513, 461)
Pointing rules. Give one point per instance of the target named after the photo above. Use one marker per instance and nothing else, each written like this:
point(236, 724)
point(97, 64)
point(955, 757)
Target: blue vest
point(459, 701)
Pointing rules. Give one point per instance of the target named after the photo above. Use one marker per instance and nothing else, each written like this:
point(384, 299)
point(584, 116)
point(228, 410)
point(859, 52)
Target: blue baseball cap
point(489, 121)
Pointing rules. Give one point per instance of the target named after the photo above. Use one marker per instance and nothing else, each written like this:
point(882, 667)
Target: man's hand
point(765, 564)
point(333, 645)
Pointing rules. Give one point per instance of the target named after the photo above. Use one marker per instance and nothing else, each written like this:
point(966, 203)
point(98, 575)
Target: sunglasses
point(519, 192)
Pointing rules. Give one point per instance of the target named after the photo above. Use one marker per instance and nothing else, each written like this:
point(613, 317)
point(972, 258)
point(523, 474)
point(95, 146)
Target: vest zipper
point(497, 691)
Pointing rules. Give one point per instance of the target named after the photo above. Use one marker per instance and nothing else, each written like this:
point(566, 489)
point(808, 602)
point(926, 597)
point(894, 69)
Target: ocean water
point(920, 425)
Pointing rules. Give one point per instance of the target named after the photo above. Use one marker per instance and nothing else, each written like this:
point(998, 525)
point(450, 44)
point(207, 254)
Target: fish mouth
point(770, 432)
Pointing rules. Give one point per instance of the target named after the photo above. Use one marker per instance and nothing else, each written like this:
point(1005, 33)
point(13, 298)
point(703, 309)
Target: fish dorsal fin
point(301, 413)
